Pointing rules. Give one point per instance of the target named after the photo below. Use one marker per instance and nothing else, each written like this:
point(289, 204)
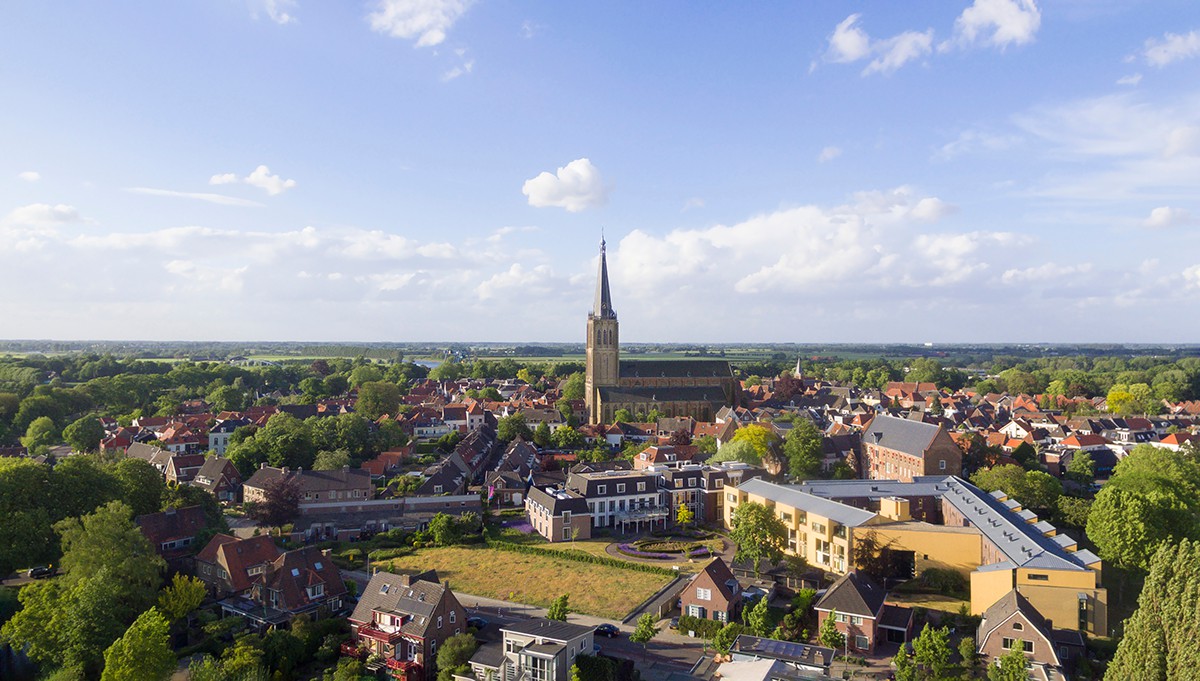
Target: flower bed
point(668, 549)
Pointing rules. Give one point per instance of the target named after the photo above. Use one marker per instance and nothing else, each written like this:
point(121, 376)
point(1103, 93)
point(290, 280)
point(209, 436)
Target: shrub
point(703, 628)
point(581, 557)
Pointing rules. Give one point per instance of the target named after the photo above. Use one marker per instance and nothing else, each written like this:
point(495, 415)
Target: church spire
point(603, 308)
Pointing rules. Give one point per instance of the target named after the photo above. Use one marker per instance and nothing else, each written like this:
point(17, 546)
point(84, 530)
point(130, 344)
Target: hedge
point(703, 628)
point(581, 557)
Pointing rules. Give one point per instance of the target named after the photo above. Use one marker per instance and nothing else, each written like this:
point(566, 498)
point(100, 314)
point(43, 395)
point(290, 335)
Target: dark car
point(41, 572)
point(608, 630)
point(674, 624)
point(477, 622)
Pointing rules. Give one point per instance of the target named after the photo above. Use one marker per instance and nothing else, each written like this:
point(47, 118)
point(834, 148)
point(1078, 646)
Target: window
point(453, 617)
point(601, 489)
point(855, 619)
point(439, 621)
point(1036, 577)
point(620, 488)
point(691, 482)
point(566, 534)
point(1018, 626)
point(732, 498)
point(942, 465)
point(1028, 646)
point(1006, 644)
point(862, 642)
point(641, 487)
point(703, 594)
point(840, 618)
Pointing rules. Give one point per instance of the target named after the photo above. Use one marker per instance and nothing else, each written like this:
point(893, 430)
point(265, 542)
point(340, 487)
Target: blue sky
point(969, 171)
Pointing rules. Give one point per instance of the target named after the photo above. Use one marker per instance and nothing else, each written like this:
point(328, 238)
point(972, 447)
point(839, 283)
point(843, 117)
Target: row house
point(315, 486)
point(403, 620)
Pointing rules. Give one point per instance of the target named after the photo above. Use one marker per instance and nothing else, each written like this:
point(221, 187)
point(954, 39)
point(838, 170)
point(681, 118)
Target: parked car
point(674, 624)
point(608, 630)
point(477, 622)
point(41, 572)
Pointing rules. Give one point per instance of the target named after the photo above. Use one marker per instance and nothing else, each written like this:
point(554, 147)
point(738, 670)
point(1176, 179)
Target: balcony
point(351, 649)
point(372, 632)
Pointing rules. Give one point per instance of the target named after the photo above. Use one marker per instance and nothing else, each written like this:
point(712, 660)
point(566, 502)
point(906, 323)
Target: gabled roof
point(294, 571)
point(721, 578)
point(1010, 605)
point(413, 598)
point(239, 555)
point(792, 496)
point(854, 594)
point(902, 435)
point(171, 525)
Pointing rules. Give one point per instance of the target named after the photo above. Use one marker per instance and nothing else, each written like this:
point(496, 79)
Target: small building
point(1013, 622)
point(798, 656)
point(536, 649)
point(856, 603)
point(220, 478)
point(404, 619)
point(714, 594)
point(172, 533)
point(558, 514)
point(228, 565)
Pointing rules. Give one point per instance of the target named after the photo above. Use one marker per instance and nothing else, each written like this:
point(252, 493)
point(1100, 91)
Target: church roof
point(712, 394)
point(682, 368)
point(603, 308)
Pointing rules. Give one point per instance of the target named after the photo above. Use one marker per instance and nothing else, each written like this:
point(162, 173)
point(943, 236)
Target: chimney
point(262, 465)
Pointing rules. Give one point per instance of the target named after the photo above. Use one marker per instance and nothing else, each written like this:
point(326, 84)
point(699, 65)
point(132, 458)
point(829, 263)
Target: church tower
point(603, 346)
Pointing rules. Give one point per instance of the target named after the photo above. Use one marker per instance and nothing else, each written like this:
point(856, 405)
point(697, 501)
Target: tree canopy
point(758, 533)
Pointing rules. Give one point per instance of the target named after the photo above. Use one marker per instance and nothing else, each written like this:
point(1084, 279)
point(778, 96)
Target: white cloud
point(1171, 48)
point(219, 199)
point(206, 278)
point(692, 202)
point(828, 154)
point(426, 20)
point(848, 42)
point(276, 10)
point(517, 279)
point(272, 184)
point(530, 28)
point(1166, 216)
point(459, 70)
point(972, 141)
point(1192, 276)
point(995, 23)
point(223, 178)
point(1131, 80)
point(42, 214)
point(932, 209)
point(29, 176)
point(575, 187)
point(1045, 272)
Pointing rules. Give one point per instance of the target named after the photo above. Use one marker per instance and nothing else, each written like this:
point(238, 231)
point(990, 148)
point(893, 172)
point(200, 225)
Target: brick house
point(404, 619)
point(300, 582)
point(220, 478)
point(858, 602)
point(316, 487)
point(713, 594)
point(228, 565)
point(1012, 622)
point(172, 532)
point(901, 449)
point(557, 514)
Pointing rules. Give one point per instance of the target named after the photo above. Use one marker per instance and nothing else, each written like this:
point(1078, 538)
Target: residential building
point(713, 594)
point(857, 604)
point(1013, 622)
point(219, 434)
point(404, 619)
point(228, 565)
point(303, 581)
point(537, 650)
point(559, 514)
point(172, 533)
point(621, 498)
point(220, 478)
point(902, 449)
point(799, 656)
point(315, 486)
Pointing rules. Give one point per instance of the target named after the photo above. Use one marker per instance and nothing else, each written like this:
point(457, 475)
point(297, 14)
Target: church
point(696, 388)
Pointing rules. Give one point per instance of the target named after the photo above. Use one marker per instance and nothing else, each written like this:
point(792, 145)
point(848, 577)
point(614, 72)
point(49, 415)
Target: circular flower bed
point(671, 548)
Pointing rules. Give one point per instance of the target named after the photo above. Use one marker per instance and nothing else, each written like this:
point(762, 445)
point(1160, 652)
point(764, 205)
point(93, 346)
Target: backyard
point(600, 590)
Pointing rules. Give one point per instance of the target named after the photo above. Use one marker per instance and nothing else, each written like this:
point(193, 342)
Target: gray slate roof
point(854, 594)
point(791, 495)
point(902, 435)
point(548, 629)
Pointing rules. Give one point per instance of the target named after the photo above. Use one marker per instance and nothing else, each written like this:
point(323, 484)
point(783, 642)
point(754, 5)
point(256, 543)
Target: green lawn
point(929, 601)
point(598, 590)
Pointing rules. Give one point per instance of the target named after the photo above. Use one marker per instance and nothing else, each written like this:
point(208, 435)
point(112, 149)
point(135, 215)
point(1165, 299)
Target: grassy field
point(597, 547)
point(929, 601)
point(597, 590)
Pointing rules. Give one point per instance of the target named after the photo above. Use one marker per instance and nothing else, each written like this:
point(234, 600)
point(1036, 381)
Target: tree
point(244, 657)
point(566, 437)
point(228, 398)
point(141, 485)
point(1169, 605)
point(1073, 511)
point(510, 427)
point(760, 437)
point(829, 636)
point(40, 434)
point(573, 387)
point(759, 619)
point(85, 434)
point(644, 631)
point(280, 504)
point(184, 595)
point(377, 398)
point(143, 653)
point(108, 538)
point(445, 529)
point(333, 460)
point(1081, 469)
point(723, 640)
point(1034, 489)
point(803, 449)
point(737, 450)
point(1012, 666)
point(541, 435)
point(622, 416)
point(706, 446)
point(454, 655)
point(932, 651)
point(758, 533)
point(559, 608)
point(684, 515)
point(967, 651)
